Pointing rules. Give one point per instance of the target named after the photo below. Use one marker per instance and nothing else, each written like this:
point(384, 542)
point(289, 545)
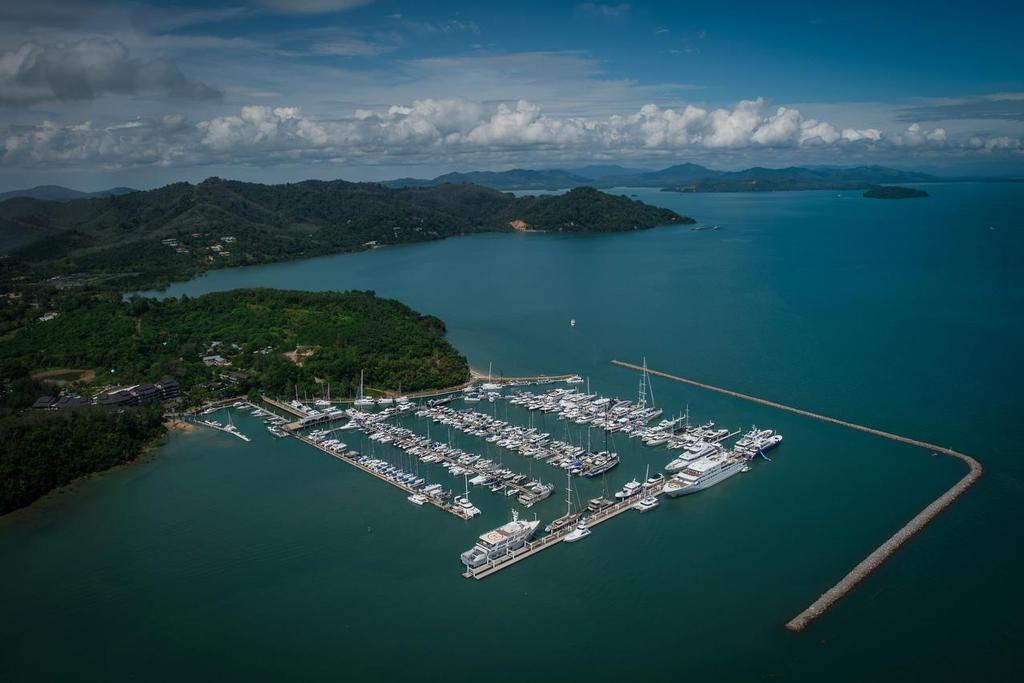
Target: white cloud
point(433, 129)
point(85, 69)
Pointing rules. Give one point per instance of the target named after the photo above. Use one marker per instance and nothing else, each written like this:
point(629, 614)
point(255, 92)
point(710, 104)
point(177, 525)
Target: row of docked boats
point(324, 439)
point(527, 441)
point(228, 428)
point(613, 415)
point(485, 472)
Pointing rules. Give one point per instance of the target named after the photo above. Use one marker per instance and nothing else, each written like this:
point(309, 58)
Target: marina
point(704, 459)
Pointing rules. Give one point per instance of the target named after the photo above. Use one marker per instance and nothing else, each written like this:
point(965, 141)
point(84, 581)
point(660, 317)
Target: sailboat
point(232, 429)
point(463, 504)
point(569, 517)
point(361, 400)
point(489, 385)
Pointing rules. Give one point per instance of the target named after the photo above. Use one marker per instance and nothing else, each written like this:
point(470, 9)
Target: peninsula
point(224, 344)
point(148, 239)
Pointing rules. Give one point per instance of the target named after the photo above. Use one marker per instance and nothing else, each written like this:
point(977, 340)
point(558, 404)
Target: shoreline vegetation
point(224, 343)
point(146, 240)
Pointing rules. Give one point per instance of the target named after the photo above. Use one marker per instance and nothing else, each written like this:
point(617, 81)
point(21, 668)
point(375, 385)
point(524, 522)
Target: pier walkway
point(349, 457)
point(545, 542)
point(890, 546)
point(281, 405)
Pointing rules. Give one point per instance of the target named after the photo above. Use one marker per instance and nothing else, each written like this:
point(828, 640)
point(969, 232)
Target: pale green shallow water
point(269, 560)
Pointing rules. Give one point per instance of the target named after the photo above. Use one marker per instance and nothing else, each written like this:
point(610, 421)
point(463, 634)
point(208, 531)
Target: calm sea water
point(270, 561)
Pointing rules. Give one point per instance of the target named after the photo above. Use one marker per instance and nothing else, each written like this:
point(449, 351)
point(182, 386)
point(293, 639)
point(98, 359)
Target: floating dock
point(391, 429)
point(884, 551)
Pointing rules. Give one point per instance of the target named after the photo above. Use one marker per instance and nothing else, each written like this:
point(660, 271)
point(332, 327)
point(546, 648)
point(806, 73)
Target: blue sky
point(94, 93)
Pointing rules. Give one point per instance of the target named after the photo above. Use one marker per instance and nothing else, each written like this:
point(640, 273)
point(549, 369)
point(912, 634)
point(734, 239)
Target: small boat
point(579, 533)
point(417, 499)
point(572, 322)
point(646, 504)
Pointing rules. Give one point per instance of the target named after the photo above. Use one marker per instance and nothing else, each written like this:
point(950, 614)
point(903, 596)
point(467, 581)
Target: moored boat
point(499, 542)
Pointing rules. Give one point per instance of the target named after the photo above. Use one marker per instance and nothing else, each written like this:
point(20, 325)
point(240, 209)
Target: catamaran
point(361, 399)
point(463, 504)
point(489, 385)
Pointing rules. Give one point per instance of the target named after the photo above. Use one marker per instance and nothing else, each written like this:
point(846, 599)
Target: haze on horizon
point(105, 93)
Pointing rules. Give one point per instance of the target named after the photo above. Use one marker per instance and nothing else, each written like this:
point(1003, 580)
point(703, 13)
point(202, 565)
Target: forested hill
point(280, 342)
point(256, 331)
point(150, 238)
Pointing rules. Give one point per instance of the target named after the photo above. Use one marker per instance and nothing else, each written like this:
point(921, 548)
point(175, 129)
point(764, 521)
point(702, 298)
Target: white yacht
point(417, 499)
point(693, 452)
point(646, 504)
point(580, 532)
point(705, 473)
point(463, 504)
point(631, 489)
point(499, 542)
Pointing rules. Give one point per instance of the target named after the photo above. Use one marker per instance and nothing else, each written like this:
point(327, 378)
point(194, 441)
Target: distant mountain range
point(59, 193)
point(685, 178)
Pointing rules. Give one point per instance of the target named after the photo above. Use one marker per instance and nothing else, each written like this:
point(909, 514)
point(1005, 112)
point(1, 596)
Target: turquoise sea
point(218, 559)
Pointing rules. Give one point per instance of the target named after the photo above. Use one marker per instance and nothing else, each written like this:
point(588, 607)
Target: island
point(145, 240)
point(894, 192)
point(87, 388)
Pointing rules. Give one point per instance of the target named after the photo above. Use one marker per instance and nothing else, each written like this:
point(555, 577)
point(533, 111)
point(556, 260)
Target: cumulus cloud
point(430, 129)
point(85, 69)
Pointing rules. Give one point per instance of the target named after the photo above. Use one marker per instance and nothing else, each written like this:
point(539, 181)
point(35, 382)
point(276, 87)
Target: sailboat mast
point(650, 387)
point(568, 493)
